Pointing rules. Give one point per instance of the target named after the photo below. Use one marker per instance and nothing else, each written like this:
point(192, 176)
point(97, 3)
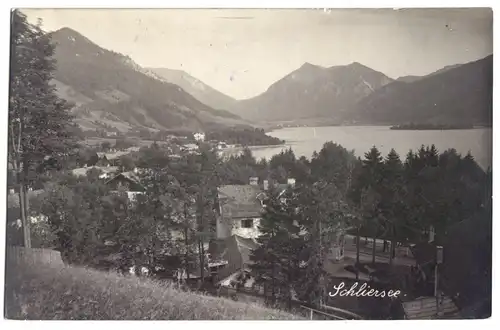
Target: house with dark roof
point(240, 208)
point(128, 181)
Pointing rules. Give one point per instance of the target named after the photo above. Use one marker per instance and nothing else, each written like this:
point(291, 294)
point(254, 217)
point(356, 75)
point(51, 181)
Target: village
point(227, 268)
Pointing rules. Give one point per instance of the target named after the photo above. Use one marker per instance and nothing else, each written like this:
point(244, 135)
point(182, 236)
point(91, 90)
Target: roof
point(119, 153)
point(425, 308)
point(13, 199)
point(191, 146)
point(82, 171)
point(132, 178)
point(127, 175)
point(236, 250)
point(239, 201)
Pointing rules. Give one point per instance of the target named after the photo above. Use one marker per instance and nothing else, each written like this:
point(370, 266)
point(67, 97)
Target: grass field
point(47, 292)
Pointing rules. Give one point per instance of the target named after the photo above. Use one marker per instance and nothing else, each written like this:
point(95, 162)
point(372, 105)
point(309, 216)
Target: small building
point(222, 146)
point(190, 147)
point(199, 137)
point(128, 181)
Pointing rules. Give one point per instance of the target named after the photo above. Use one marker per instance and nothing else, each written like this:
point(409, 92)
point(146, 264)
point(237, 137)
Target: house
point(190, 147)
point(240, 210)
point(222, 145)
point(107, 171)
point(128, 181)
point(241, 206)
point(199, 136)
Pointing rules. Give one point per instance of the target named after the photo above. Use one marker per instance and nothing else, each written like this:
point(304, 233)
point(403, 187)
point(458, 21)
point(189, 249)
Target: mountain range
point(455, 95)
point(356, 94)
point(111, 90)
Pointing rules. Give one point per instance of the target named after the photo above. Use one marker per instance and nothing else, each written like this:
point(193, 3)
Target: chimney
point(254, 181)
point(266, 185)
point(291, 182)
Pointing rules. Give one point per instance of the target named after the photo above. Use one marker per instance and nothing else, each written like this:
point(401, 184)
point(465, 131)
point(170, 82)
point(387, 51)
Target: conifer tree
point(40, 124)
point(275, 262)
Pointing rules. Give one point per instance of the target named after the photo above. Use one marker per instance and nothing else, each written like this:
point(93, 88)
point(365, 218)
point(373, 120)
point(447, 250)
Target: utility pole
point(439, 260)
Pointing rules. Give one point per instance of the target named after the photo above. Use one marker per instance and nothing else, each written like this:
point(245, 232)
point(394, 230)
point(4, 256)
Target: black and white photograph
point(249, 164)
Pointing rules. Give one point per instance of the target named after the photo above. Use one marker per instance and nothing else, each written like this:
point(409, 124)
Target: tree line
point(374, 196)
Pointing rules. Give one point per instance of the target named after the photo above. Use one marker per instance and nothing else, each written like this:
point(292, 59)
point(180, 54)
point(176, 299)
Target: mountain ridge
point(115, 91)
point(197, 88)
point(456, 94)
point(325, 92)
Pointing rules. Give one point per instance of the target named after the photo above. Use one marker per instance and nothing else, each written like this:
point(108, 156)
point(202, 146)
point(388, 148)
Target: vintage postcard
point(249, 164)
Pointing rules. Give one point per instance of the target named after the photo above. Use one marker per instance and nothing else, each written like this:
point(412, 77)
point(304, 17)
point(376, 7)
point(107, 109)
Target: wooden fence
point(19, 255)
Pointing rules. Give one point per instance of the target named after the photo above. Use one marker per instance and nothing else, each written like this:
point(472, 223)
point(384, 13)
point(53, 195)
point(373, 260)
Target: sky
point(241, 52)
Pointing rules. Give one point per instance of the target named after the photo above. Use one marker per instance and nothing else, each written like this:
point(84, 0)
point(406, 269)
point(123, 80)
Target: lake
point(305, 140)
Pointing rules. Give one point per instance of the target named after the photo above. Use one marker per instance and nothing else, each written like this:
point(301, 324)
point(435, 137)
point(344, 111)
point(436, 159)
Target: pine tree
point(39, 121)
point(275, 263)
point(393, 199)
point(322, 216)
point(372, 176)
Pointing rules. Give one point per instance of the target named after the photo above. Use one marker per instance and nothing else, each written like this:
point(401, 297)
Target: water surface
point(305, 140)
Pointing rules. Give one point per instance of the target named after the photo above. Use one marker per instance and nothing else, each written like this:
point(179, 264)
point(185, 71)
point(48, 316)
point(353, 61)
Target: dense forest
point(424, 126)
point(245, 137)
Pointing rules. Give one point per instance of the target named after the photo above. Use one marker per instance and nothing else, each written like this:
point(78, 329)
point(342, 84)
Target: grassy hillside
point(47, 292)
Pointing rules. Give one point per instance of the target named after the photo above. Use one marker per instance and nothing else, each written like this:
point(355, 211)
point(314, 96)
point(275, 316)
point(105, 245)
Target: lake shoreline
point(305, 140)
point(396, 127)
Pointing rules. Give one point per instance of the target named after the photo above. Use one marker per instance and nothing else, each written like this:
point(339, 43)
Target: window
point(247, 223)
